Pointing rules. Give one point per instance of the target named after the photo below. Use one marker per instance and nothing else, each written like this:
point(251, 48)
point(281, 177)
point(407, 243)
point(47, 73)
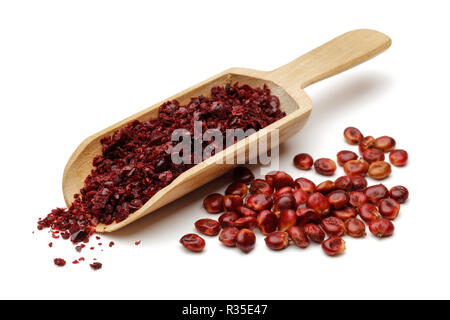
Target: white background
point(71, 68)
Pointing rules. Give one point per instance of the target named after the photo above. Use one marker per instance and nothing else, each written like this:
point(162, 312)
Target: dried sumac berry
point(208, 227)
point(286, 201)
point(345, 156)
point(353, 135)
point(356, 167)
point(245, 240)
point(333, 246)
point(267, 221)
point(287, 219)
point(282, 191)
point(357, 198)
point(398, 157)
point(59, 262)
point(306, 185)
point(303, 161)
point(259, 201)
point(277, 240)
point(298, 236)
point(314, 232)
point(358, 182)
point(261, 186)
point(193, 242)
point(319, 203)
point(379, 170)
point(300, 196)
point(376, 192)
point(384, 143)
point(279, 179)
point(345, 213)
point(372, 155)
point(245, 223)
point(307, 215)
point(231, 202)
point(333, 226)
point(367, 143)
point(338, 199)
point(228, 218)
point(399, 193)
point(343, 183)
point(381, 228)
point(246, 212)
point(213, 203)
point(243, 175)
point(369, 212)
point(228, 236)
point(237, 188)
point(355, 228)
point(325, 166)
point(389, 208)
point(325, 187)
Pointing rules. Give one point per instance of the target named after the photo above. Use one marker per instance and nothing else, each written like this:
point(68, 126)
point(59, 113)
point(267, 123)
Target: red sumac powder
point(135, 162)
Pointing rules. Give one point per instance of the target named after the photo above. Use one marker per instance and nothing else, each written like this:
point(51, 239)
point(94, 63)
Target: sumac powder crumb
point(59, 262)
point(96, 265)
point(135, 162)
point(111, 244)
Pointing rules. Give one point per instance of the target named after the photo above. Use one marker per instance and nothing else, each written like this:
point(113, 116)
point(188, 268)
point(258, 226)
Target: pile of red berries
point(299, 211)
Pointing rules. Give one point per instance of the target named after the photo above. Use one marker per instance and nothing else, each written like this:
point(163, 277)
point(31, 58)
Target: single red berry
point(277, 240)
point(353, 135)
point(399, 193)
point(381, 228)
point(398, 157)
point(355, 228)
point(389, 208)
point(303, 161)
point(245, 240)
point(333, 246)
point(325, 166)
point(193, 242)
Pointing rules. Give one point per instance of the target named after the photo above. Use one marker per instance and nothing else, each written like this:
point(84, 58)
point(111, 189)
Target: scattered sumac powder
point(135, 162)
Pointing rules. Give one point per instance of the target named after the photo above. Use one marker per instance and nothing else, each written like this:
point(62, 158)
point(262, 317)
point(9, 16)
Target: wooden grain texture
point(286, 82)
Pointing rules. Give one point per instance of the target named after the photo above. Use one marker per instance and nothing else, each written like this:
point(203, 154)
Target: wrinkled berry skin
point(245, 223)
point(298, 236)
point(228, 236)
point(389, 208)
point(237, 188)
point(245, 240)
point(279, 179)
point(325, 166)
point(333, 246)
point(267, 222)
point(261, 186)
point(193, 242)
point(208, 227)
point(314, 232)
point(306, 185)
point(213, 203)
point(277, 240)
point(303, 161)
point(369, 212)
point(259, 202)
point(376, 192)
point(367, 143)
point(319, 203)
point(333, 226)
point(355, 228)
point(343, 183)
point(381, 228)
point(399, 193)
point(357, 199)
point(359, 183)
point(228, 218)
point(338, 199)
point(243, 175)
point(232, 202)
point(352, 135)
point(307, 215)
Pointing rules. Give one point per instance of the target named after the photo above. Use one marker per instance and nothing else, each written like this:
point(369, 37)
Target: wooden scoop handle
point(335, 56)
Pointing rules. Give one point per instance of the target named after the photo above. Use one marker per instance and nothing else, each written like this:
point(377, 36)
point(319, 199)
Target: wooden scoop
point(287, 82)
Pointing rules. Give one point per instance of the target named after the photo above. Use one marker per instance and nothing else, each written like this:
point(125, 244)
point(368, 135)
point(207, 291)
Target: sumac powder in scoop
point(135, 161)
